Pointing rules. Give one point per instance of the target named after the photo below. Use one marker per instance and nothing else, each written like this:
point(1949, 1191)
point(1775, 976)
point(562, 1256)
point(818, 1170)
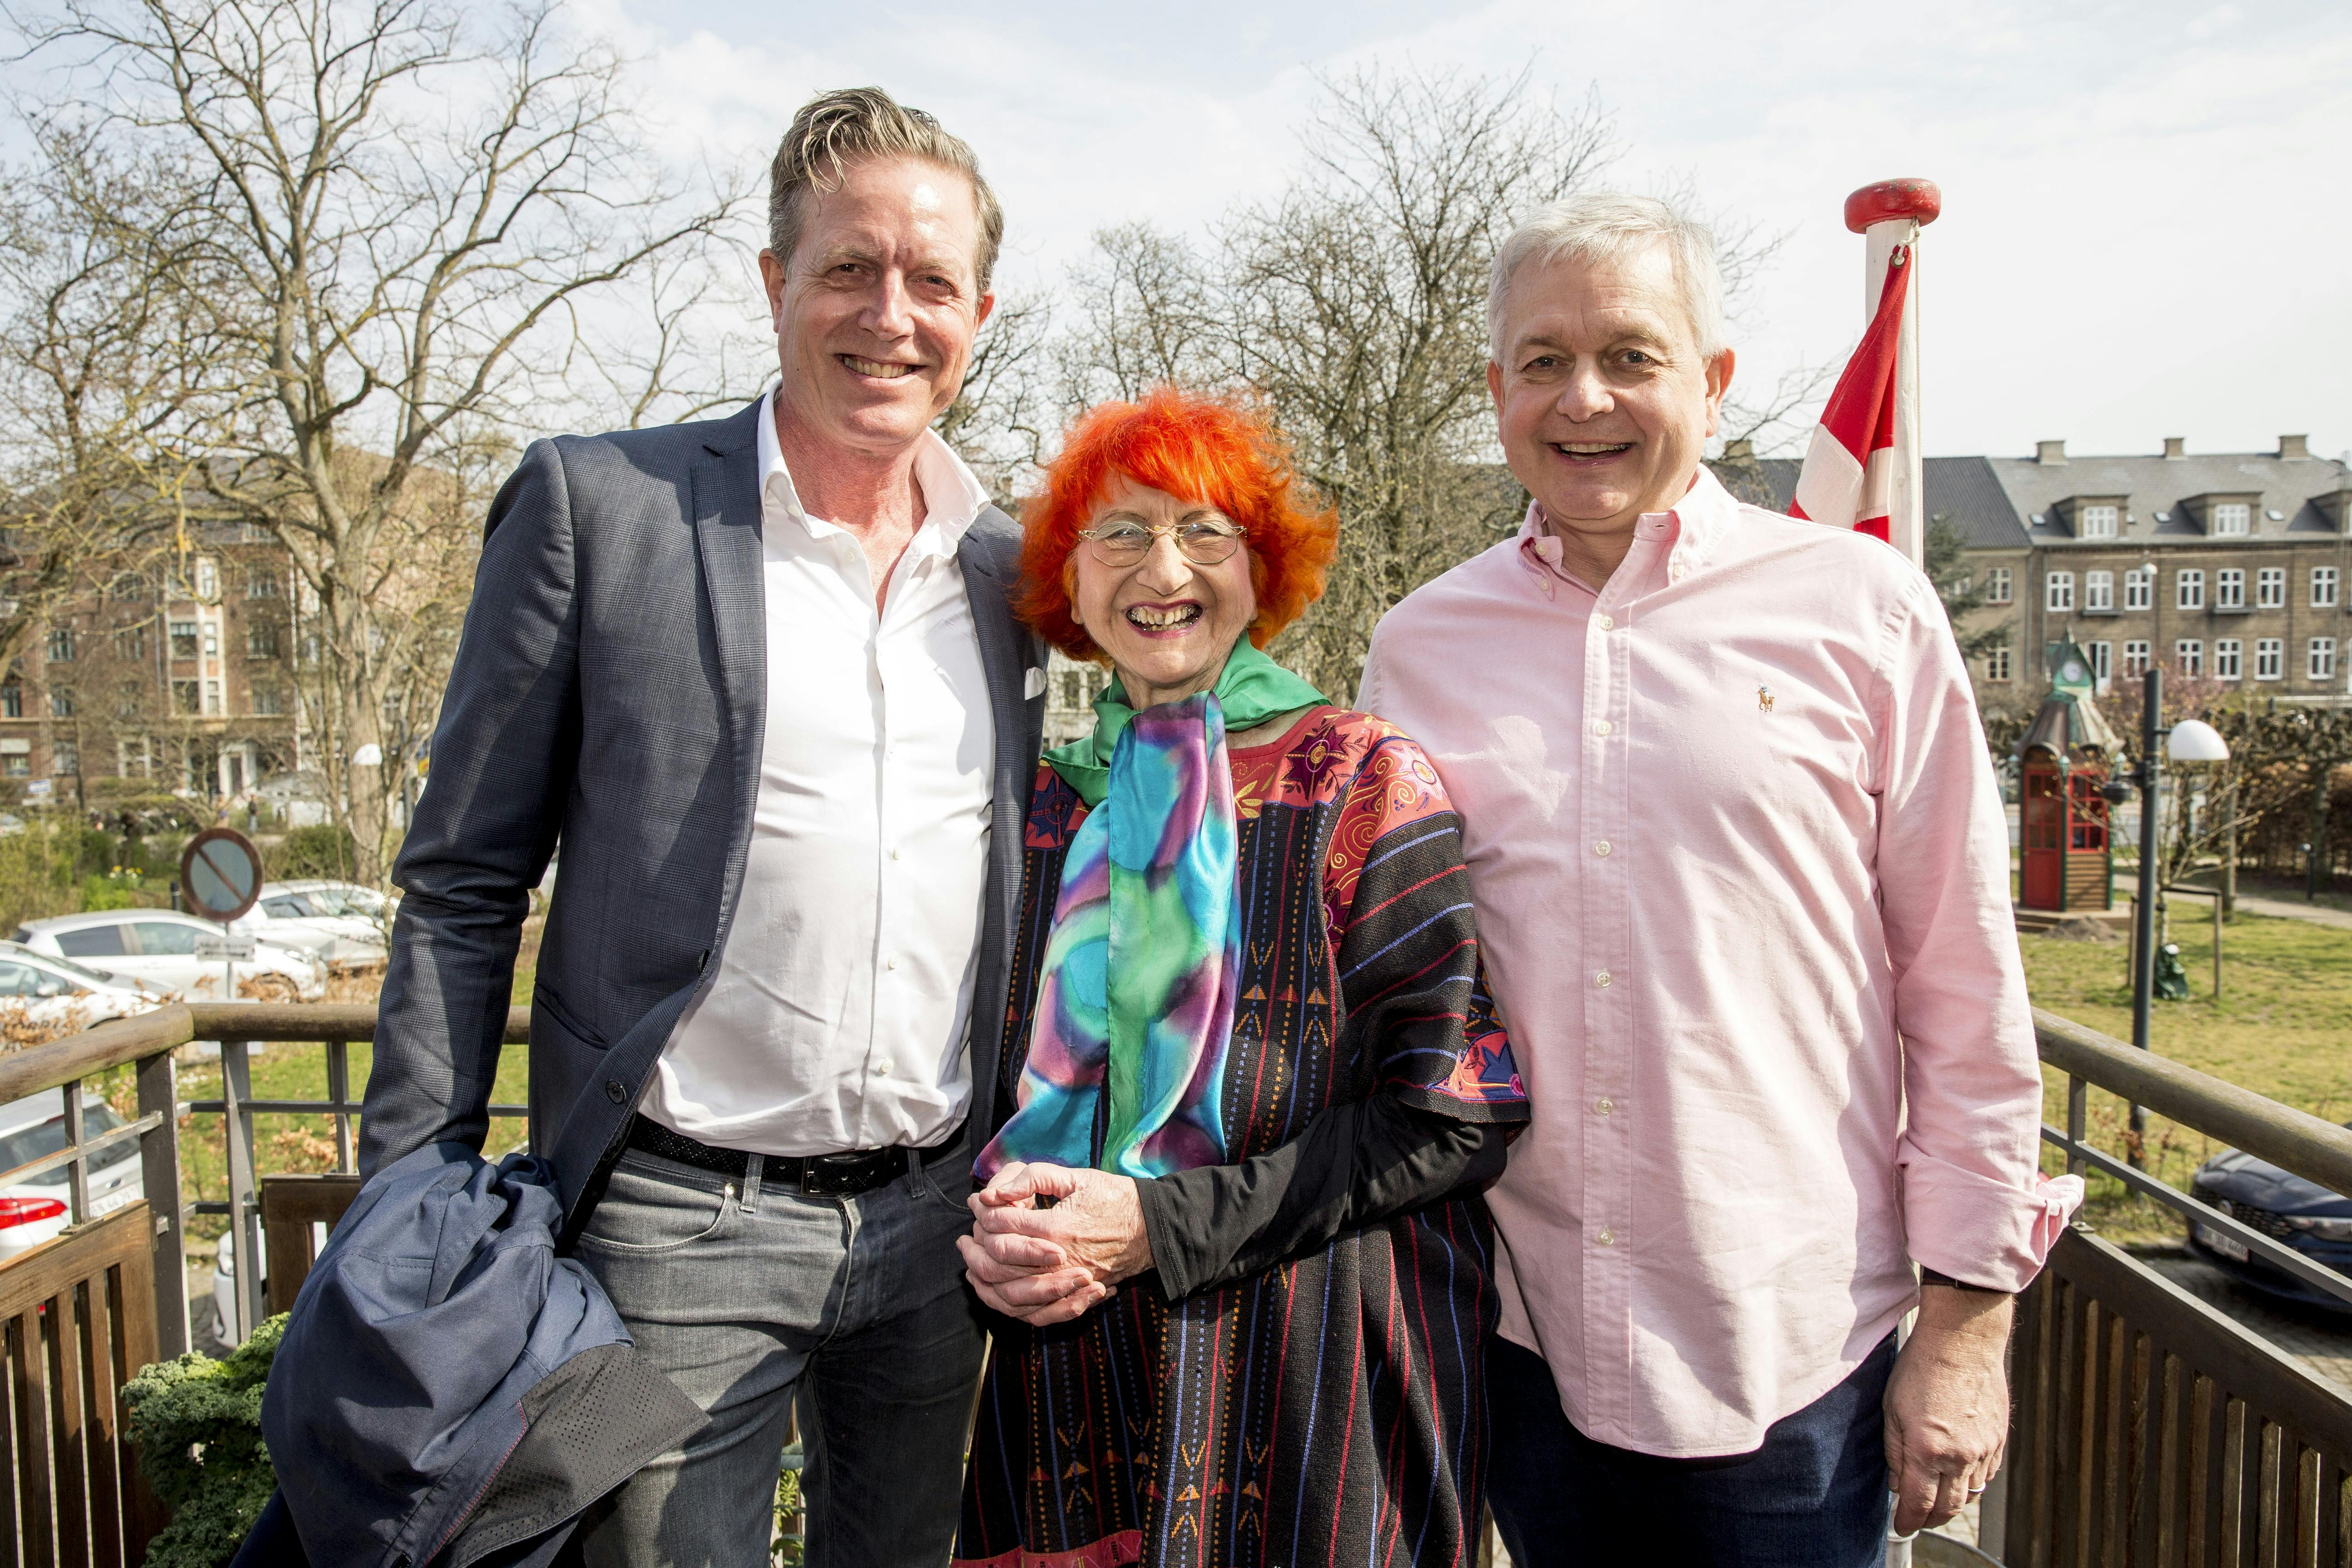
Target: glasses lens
point(1121, 546)
point(1206, 544)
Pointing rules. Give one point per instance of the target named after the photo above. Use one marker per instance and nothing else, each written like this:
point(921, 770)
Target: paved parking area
point(2321, 1340)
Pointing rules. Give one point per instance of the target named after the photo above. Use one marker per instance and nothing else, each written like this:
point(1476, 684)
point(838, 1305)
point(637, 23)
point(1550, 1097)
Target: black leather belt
point(843, 1175)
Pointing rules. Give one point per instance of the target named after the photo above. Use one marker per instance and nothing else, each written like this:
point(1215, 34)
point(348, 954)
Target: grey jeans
point(856, 1307)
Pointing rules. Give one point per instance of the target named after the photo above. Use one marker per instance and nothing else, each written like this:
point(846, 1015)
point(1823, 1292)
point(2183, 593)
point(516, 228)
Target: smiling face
point(1167, 623)
point(875, 310)
point(1604, 402)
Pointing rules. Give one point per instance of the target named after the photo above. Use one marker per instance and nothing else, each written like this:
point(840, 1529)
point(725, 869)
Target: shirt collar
point(1687, 535)
point(953, 497)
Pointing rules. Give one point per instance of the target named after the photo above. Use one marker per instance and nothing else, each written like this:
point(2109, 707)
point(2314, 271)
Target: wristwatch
point(1930, 1277)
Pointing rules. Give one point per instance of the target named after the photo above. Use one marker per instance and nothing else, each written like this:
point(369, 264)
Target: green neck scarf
point(1251, 690)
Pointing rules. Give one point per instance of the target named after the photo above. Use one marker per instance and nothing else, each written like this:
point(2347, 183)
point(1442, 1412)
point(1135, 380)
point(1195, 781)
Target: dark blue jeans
point(1814, 1496)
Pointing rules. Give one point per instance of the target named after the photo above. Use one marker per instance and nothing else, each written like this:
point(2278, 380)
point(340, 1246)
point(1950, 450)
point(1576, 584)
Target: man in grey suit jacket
point(760, 678)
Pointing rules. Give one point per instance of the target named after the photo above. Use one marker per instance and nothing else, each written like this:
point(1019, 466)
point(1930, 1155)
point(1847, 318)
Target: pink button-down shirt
point(1742, 882)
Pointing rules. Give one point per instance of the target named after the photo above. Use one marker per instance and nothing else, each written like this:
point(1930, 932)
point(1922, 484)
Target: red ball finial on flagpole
point(1919, 200)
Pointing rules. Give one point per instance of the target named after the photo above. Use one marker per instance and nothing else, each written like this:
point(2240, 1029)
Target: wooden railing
point(80, 1314)
point(2149, 1427)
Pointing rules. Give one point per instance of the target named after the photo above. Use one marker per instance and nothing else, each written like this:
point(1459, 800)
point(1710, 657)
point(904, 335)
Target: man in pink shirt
point(1742, 880)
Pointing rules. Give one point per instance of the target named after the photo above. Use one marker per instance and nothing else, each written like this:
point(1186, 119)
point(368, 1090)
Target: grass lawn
point(2281, 1028)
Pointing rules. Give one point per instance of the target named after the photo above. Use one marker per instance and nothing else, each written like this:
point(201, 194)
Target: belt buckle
point(838, 1175)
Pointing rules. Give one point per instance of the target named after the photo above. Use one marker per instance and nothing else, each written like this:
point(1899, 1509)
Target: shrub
point(325, 850)
point(197, 1425)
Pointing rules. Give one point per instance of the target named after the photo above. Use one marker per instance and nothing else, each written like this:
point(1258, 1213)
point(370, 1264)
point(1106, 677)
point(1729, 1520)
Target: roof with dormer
point(2155, 490)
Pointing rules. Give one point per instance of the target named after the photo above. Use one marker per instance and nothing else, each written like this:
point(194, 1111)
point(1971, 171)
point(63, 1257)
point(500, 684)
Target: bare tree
point(409, 210)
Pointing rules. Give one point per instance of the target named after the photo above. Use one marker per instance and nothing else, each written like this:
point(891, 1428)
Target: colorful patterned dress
point(1329, 1409)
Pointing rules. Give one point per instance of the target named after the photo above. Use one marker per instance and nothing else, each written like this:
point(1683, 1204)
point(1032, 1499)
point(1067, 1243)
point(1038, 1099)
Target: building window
point(212, 698)
point(2270, 588)
point(16, 764)
point(211, 640)
point(2135, 659)
point(129, 586)
point(2323, 587)
point(260, 585)
point(61, 645)
point(65, 759)
point(12, 699)
point(2103, 662)
point(2232, 519)
point(127, 699)
point(2189, 657)
point(2189, 589)
point(2270, 658)
point(60, 702)
point(1997, 663)
point(2228, 659)
point(2139, 587)
point(2320, 658)
point(207, 578)
point(1997, 585)
point(2097, 522)
point(187, 697)
point(131, 642)
point(2230, 589)
point(267, 702)
point(2058, 591)
point(184, 639)
point(260, 640)
point(2098, 590)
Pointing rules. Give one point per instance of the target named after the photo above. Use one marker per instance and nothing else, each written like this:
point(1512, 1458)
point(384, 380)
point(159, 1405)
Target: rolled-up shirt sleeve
point(1975, 1205)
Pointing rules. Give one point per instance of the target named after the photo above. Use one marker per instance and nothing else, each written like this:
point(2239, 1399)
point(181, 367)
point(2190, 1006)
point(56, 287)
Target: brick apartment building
point(178, 672)
point(2228, 567)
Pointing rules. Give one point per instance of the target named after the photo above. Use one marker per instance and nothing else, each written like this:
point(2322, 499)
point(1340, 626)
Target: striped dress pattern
point(1329, 1409)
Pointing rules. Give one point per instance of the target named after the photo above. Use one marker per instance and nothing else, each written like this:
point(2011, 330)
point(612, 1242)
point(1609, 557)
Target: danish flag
point(1861, 470)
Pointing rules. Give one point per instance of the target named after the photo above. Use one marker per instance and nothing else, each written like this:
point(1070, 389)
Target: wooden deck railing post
point(159, 1151)
point(244, 1198)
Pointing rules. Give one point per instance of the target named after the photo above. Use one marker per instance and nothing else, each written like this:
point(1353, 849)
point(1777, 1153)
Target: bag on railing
point(449, 1391)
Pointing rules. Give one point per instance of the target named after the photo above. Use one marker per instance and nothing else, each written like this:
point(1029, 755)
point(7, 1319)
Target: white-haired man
point(1742, 880)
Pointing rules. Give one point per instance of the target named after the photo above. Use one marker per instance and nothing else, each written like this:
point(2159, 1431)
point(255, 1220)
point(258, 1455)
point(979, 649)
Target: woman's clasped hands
point(1052, 1262)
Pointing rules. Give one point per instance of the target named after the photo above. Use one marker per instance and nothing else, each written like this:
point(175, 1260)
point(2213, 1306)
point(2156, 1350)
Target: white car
point(341, 923)
point(43, 997)
point(159, 947)
point(31, 1211)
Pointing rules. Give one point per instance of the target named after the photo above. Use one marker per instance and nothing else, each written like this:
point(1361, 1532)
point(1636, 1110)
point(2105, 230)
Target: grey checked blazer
point(611, 690)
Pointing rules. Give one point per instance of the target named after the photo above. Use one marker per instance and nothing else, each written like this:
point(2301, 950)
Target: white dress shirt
point(840, 1014)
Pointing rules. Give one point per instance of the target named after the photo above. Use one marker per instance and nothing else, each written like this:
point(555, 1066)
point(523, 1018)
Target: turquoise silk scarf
point(1135, 1002)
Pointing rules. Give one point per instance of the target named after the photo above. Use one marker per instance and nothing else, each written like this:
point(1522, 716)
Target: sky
point(2144, 234)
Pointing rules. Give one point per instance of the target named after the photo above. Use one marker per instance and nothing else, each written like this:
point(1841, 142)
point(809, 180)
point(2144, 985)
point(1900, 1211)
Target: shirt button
point(882, 1069)
point(889, 963)
point(1606, 623)
point(1601, 979)
point(1606, 1106)
point(1602, 727)
point(1607, 1238)
point(894, 854)
point(1601, 848)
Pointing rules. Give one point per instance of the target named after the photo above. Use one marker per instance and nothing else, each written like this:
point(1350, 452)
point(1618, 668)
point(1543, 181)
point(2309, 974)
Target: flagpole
point(1886, 214)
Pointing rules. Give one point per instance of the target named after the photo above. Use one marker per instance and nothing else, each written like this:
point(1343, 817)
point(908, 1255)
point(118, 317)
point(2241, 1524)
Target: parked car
point(341, 923)
point(34, 1210)
point(159, 946)
point(40, 992)
point(2304, 1215)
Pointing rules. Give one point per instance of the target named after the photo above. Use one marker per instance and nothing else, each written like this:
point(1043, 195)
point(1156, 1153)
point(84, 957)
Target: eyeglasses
point(1127, 543)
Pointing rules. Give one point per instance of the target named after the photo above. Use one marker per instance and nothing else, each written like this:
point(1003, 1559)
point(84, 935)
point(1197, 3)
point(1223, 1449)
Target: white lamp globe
point(2195, 741)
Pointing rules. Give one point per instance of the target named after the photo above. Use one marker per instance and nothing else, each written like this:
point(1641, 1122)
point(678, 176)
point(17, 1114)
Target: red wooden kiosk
point(2063, 759)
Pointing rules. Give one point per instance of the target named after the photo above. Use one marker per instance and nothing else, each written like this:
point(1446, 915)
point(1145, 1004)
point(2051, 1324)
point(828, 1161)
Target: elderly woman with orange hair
point(1233, 1219)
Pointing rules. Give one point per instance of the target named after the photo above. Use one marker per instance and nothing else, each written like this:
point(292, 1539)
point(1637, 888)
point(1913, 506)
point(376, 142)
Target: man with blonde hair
point(1741, 876)
point(759, 677)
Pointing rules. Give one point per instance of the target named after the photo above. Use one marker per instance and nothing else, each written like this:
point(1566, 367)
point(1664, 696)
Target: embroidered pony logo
point(1764, 699)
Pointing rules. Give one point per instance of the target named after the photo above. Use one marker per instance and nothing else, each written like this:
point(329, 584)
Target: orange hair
point(1195, 448)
